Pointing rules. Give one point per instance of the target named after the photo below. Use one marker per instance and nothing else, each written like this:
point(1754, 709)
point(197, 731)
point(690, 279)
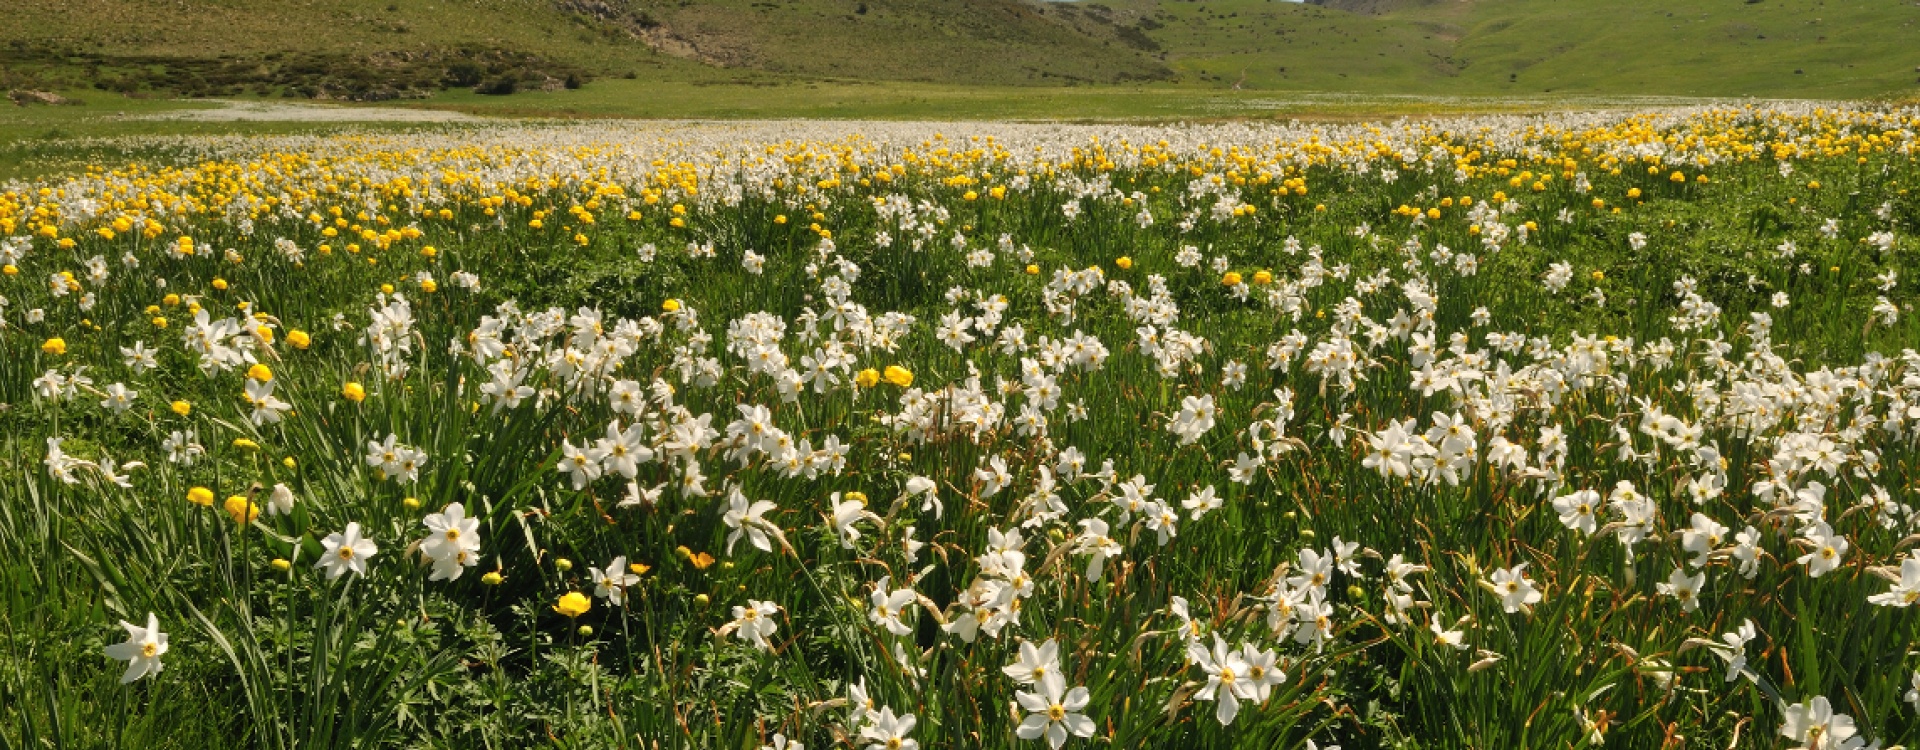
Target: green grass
point(264, 655)
point(1719, 48)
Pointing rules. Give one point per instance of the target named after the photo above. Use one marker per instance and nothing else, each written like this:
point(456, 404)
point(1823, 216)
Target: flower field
point(1575, 430)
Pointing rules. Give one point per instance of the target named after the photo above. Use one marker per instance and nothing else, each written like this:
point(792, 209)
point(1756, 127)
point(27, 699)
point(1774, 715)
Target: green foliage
point(279, 656)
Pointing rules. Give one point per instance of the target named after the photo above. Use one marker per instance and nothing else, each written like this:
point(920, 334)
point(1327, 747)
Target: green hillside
point(385, 49)
point(1785, 48)
point(398, 48)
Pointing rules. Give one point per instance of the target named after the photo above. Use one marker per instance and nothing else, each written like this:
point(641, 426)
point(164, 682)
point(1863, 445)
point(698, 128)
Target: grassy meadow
point(1000, 49)
point(1489, 431)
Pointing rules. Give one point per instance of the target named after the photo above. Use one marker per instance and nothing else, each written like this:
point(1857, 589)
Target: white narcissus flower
point(846, 513)
point(1227, 682)
point(1702, 538)
point(119, 398)
point(1093, 541)
point(1815, 726)
point(453, 565)
point(142, 649)
point(452, 531)
point(453, 543)
point(280, 501)
point(1577, 511)
point(928, 492)
point(1735, 650)
point(267, 408)
point(581, 464)
point(1515, 590)
point(1201, 502)
point(1685, 588)
point(780, 742)
point(1829, 549)
point(1263, 671)
point(612, 582)
point(745, 520)
point(754, 623)
point(622, 451)
point(1455, 638)
point(1034, 662)
point(1194, 419)
point(885, 731)
point(889, 604)
point(139, 358)
point(1054, 712)
point(1906, 591)
point(346, 551)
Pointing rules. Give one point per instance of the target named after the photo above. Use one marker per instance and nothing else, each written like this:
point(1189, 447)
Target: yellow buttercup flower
point(353, 392)
point(898, 375)
point(672, 305)
point(867, 378)
point(54, 346)
point(241, 509)
point(261, 373)
point(573, 604)
point(1231, 279)
point(181, 408)
point(299, 339)
point(200, 496)
point(1124, 262)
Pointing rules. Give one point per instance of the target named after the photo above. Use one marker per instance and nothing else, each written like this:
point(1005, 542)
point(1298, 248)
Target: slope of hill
point(1786, 48)
point(377, 49)
point(392, 48)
